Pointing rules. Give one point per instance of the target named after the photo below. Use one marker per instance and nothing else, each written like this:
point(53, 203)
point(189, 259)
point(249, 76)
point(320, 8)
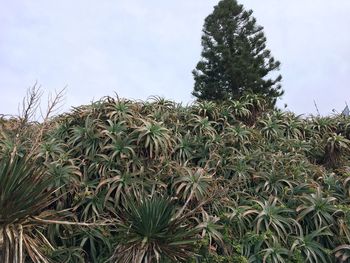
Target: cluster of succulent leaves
point(157, 181)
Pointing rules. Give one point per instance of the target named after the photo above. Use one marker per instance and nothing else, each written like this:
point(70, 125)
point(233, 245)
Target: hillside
point(132, 181)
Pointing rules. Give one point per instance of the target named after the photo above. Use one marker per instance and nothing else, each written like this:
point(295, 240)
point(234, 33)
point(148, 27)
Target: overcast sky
point(139, 48)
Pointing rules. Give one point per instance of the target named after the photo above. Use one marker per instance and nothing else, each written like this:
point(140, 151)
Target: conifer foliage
point(234, 58)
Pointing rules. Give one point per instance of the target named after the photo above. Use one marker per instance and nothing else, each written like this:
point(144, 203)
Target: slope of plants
point(155, 181)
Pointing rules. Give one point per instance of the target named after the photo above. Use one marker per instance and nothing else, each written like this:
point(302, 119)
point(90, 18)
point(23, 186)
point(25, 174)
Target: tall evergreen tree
point(235, 59)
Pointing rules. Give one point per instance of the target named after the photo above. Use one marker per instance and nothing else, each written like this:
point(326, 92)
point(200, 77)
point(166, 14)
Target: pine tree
point(235, 59)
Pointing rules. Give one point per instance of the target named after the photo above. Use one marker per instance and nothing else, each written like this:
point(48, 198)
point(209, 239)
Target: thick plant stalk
point(48, 221)
point(185, 205)
point(20, 250)
point(1, 245)
point(12, 246)
point(6, 245)
point(12, 236)
point(15, 245)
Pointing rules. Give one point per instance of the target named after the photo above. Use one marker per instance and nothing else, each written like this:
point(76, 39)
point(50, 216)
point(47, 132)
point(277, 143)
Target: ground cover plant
point(156, 181)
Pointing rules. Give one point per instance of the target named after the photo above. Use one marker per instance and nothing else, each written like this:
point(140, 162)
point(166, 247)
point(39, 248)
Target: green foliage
point(24, 194)
point(126, 181)
point(235, 59)
point(150, 232)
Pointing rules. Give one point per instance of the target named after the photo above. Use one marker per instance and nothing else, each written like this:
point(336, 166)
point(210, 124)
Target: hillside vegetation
point(155, 181)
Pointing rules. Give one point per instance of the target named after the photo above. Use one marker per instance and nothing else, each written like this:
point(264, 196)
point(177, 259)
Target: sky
point(139, 48)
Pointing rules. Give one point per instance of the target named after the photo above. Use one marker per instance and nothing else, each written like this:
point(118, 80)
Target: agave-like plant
point(333, 185)
point(67, 180)
point(86, 137)
point(342, 253)
point(241, 218)
point(120, 110)
point(24, 195)
point(51, 150)
point(336, 146)
point(262, 247)
point(150, 232)
point(271, 127)
point(273, 183)
point(202, 126)
point(207, 109)
point(153, 137)
point(240, 171)
point(161, 103)
point(266, 163)
point(119, 148)
point(240, 136)
point(275, 253)
point(292, 127)
point(118, 186)
point(192, 184)
point(184, 150)
point(271, 216)
point(322, 125)
point(317, 210)
point(257, 102)
point(240, 108)
point(113, 129)
point(8, 145)
point(90, 203)
point(211, 228)
point(309, 246)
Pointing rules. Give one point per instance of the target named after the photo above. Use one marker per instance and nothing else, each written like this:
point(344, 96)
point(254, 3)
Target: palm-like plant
point(51, 150)
point(161, 103)
point(292, 127)
point(121, 110)
point(342, 253)
point(275, 253)
point(24, 195)
point(241, 218)
point(202, 126)
point(118, 186)
point(192, 184)
point(184, 150)
point(240, 136)
point(153, 137)
point(210, 227)
point(322, 125)
point(240, 108)
point(317, 211)
point(273, 183)
point(274, 217)
point(114, 129)
point(336, 146)
point(207, 109)
point(119, 148)
point(309, 246)
point(271, 127)
point(87, 137)
point(151, 233)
